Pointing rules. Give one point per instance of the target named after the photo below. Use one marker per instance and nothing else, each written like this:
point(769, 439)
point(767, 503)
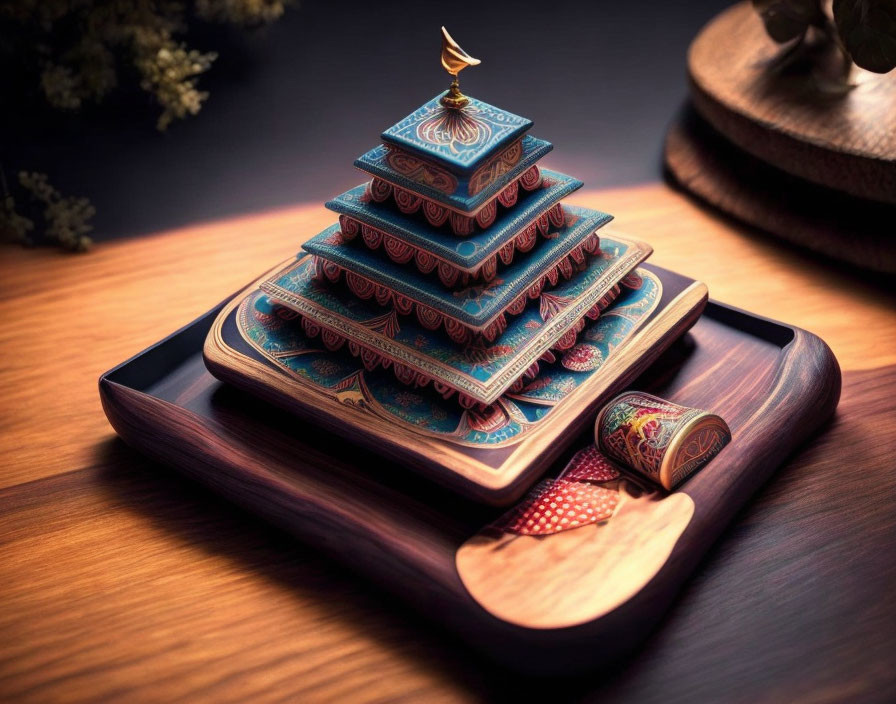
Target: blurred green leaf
point(788, 19)
point(867, 29)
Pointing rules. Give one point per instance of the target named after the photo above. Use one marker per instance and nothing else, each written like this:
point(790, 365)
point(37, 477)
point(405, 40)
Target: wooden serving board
point(556, 603)
point(835, 224)
point(801, 118)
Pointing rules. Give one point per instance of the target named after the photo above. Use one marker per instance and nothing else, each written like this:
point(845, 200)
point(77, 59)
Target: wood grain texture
point(759, 375)
point(842, 227)
point(845, 141)
point(124, 580)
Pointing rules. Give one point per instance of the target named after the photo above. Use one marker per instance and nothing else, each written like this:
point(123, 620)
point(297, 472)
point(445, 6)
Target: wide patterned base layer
point(371, 358)
point(482, 371)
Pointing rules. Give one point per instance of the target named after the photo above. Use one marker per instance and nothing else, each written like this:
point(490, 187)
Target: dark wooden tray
point(565, 601)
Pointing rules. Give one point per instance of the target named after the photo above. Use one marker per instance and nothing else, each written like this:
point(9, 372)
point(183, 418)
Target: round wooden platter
point(831, 223)
point(798, 118)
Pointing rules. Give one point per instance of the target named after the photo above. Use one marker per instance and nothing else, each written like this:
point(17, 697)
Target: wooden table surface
point(121, 580)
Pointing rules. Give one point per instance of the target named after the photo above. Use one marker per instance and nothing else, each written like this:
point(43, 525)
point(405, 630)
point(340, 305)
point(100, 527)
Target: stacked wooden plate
point(789, 149)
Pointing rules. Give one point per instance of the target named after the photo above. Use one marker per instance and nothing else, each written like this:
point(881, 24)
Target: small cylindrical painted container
point(659, 439)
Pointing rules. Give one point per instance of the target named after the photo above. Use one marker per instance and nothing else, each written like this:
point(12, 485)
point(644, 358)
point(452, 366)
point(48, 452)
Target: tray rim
point(284, 493)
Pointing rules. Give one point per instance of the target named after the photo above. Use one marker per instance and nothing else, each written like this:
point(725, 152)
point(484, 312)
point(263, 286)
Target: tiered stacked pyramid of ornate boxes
point(457, 265)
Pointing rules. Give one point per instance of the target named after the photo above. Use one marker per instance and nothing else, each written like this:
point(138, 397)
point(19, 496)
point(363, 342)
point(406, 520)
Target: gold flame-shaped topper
point(454, 60)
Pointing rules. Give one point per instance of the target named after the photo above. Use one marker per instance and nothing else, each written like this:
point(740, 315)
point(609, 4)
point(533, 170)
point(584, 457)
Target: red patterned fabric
point(526, 239)
point(518, 306)
point(407, 201)
point(332, 340)
point(429, 318)
point(425, 261)
point(556, 216)
point(589, 465)
point(398, 251)
point(506, 252)
point(448, 274)
point(488, 270)
point(382, 294)
point(387, 324)
point(371, 236)
point(403, 304)
point(370, 359)
point(310, 327)
point(457, 331)
point(556, 505)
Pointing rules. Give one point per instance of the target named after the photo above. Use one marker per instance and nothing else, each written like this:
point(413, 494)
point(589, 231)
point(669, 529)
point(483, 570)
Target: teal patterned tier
point(560, 255)
point(481, 372)
point(467, 193)
point(467, 255)
point(274, 334)
point(460, 140)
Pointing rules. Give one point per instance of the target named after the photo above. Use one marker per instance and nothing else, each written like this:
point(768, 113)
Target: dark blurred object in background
point(293, 103)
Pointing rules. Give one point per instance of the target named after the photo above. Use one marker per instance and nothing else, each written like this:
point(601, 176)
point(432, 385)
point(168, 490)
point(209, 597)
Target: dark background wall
point(293, 104)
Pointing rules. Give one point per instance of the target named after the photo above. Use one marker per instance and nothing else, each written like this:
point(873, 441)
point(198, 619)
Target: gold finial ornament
point(454, 60)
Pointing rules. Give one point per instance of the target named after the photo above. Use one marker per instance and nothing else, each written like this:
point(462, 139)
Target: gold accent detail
point(454, 60)
point(677, 465)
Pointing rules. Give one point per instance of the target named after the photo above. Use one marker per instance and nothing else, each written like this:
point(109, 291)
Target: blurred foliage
point(75, 52)
point(66, 219)
point(867, 29)
point(864, 30)
point(81, 47)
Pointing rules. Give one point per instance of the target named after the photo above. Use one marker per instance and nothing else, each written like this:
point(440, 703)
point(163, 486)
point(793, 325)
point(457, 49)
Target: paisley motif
point(426, 262)
point(379, 190)
point(406, 201)
point(435, 214)
point(496, 167)
point(531, 179)
point(421, 171)
point(508, 196)
point(582, 357)
point(349, 227)
point(486, 216)
point(456, 129)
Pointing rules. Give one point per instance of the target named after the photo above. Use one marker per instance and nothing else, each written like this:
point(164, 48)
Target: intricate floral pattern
point(660, 439)
point(458, 139)
point(474, 256)
point(474, 306)
point(421, 170)
point(376, 163)
point(342, 312)
point(274, 332)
